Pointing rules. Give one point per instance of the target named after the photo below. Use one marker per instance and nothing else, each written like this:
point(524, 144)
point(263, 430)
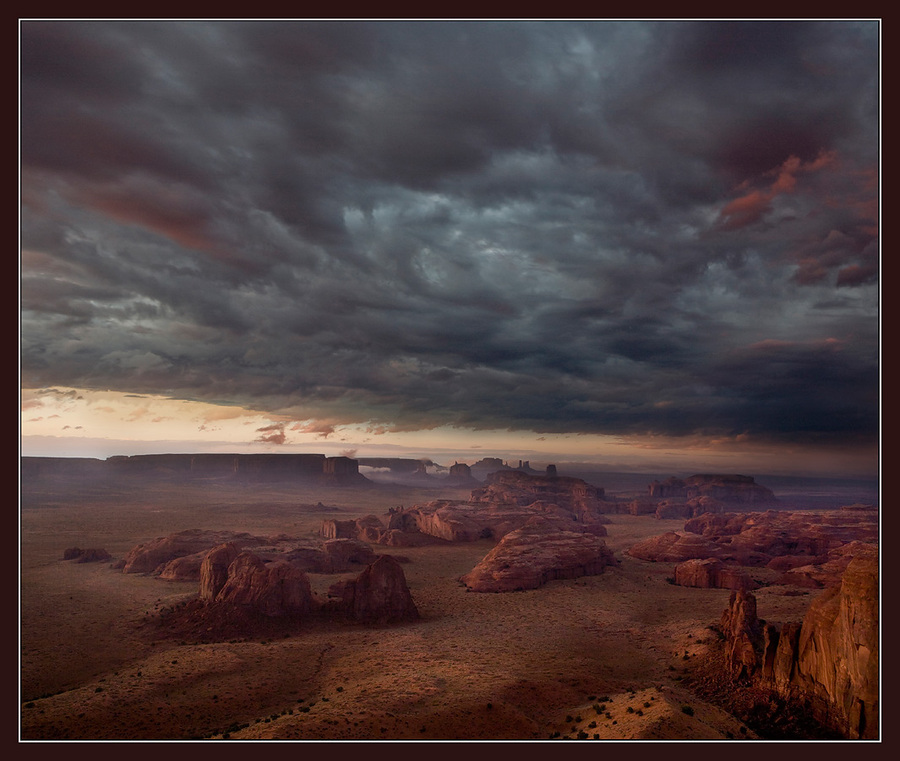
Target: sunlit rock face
point(540, 551)
point(828, 662)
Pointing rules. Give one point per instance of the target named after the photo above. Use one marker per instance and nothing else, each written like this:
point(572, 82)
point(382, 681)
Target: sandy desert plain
point(610, 657)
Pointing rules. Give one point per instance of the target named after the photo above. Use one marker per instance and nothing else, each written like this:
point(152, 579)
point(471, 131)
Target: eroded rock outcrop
point(712, 573)
point(811, 549)
point(540, 551)
point(274, 589)
point(180, 556)
point(150, 557)
point(829, 662)
point(572, 495)
point(94, 555)
point(674, 547)
point(505, 503)
point(379, 595)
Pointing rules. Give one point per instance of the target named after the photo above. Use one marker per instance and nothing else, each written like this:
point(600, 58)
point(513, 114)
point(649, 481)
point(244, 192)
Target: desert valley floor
point(606, 657)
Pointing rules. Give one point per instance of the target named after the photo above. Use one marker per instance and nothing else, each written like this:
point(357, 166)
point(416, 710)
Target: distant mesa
point(725, 488)
point(488, 465)
point(318, 468)
point(461, 475)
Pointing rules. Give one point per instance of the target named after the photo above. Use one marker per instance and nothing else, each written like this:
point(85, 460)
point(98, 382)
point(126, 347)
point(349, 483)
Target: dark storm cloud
point(562, 226)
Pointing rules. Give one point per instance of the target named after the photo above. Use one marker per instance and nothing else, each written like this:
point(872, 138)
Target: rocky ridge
point(829, 662)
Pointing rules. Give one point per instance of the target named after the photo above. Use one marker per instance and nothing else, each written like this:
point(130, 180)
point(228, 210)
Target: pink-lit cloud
point(271, 434)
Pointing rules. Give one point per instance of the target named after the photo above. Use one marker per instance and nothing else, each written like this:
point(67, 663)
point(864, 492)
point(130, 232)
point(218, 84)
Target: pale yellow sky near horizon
point(67, 422)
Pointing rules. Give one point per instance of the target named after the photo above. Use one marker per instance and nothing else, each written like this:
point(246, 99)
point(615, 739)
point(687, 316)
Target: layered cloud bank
point(622, 228)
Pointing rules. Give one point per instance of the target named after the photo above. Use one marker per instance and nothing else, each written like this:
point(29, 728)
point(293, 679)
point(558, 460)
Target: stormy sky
point(655, 231)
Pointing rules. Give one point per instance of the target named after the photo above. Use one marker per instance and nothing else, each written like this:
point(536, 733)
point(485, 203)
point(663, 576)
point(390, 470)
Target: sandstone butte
point(829, 662)
point(230, 578)
point(541, 551)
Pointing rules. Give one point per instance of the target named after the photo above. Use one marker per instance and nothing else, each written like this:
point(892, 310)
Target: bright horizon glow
point(69, 422)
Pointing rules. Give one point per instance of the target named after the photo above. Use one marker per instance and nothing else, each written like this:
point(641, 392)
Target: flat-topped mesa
point(240, 467)
point(723, 487)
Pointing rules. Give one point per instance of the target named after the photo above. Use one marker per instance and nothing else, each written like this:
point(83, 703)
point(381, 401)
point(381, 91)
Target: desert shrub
point(582, 735)
point(629, 710)
point(646, 704)
point(686, 709)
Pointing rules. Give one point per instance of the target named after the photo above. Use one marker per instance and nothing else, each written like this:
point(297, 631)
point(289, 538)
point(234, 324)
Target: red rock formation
point(185, 568)
point(711, 573)
point(743, 634)
point(573, 495)
point(86, 556)
point(276, 589)
point(674, 547)
point(724, 488)
point(829, 662)
point(214, 570)
point(811, 548)
point(540, 551)
point(379, 595)
point(151, 556)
